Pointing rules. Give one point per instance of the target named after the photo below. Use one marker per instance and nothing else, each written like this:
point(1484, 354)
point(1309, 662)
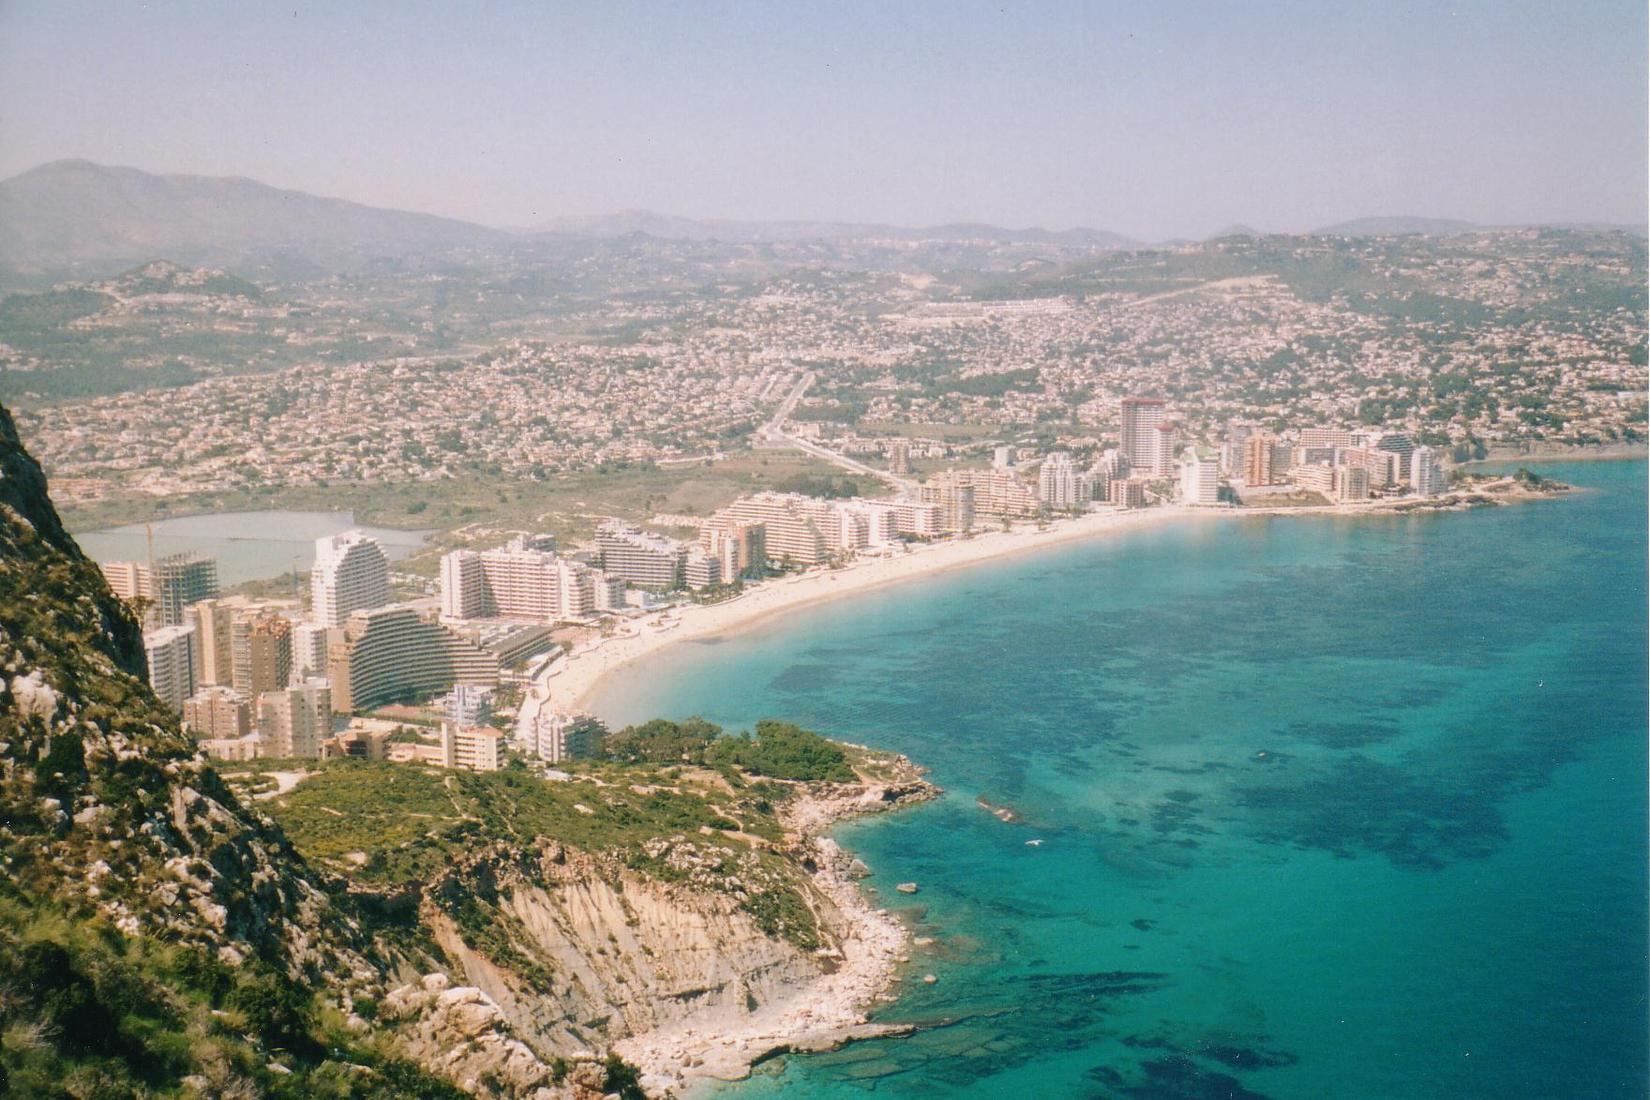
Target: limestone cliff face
point(32, 530)
point(102, 800)
point(580, 951)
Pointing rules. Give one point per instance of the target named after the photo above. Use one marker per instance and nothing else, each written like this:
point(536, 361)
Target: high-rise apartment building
point(1426, 474)
point(350, 574)
point(955, 502)
point(790, 529)
point(1325, 437)
point(1382, 466)
point(1139, 418)
point(557, 738)
point(1231, 453)
point(737, 545)
point(643, 559)
point(469, 705)
point(1400, 444)
point(1314, 477)
point(899, 457)
point(170, 585)
point(1351, 483)
point(518, 581)
point(295, 720)
point(214, 623)
point(309, 650)
point(179, 580)
point(127, 579)
point(387, 654)
point(1259, 468)
point(702, 570)
point(1061, 485)
point(473, 748)
point(997, 493)
point(171, 654)
point(261, 652)
point(919, 519)
point(1200, 480)
point(1128, 492)
point(217, 713)
point(1168, 442)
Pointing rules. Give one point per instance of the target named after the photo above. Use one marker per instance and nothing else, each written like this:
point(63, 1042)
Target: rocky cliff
point(157, 937)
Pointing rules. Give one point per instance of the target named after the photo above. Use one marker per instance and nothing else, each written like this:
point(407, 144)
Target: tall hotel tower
point(1141, 417)
point(351, 574)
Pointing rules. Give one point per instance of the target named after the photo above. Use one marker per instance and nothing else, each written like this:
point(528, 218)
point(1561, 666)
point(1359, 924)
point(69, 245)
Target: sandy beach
point(575, 681)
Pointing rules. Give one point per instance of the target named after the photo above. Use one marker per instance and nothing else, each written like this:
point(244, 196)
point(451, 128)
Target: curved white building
point(350, 574)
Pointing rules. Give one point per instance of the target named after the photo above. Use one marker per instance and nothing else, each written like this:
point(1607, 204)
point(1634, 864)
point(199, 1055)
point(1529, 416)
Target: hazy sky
point(1153, 119)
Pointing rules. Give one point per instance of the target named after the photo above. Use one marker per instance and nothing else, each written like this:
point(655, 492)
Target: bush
point(782, 750)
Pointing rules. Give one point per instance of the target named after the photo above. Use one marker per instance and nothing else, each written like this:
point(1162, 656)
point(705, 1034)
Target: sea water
point(1328, 807)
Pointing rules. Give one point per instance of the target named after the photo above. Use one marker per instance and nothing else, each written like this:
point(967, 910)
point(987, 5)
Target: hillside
point(73, 216)
point(430, 933)
point(1396, 226)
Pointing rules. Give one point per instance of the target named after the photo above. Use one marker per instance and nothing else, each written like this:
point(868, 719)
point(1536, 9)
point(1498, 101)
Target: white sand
point(576, 680)
point(573, 684)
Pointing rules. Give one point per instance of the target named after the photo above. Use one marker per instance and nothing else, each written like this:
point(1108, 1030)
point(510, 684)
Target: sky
point(1156, 120)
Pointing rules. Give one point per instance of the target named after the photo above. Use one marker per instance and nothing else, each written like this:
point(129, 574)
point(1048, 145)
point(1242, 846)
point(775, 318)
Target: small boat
point(1038, 843)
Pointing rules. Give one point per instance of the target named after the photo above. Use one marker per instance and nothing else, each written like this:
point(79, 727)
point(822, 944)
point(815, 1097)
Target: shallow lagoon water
point(1329, 807)
point(249, 546)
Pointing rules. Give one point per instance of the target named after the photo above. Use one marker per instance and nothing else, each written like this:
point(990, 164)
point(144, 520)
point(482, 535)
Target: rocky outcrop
point(579, 950)
point(133, 884)
point(32, 532)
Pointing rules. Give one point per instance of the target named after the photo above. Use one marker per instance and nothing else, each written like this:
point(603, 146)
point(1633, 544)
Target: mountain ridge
point(74, 217)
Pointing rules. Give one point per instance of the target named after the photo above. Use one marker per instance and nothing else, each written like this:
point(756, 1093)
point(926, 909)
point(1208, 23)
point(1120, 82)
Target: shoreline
point(575, 682)
point(830, 1010)
point(577, 679)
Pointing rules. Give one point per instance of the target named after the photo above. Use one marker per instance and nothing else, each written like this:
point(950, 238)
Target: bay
point(1328, 806)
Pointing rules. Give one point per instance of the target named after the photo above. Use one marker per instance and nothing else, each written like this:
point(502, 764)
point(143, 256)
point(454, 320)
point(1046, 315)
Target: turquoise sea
point(1328, 807)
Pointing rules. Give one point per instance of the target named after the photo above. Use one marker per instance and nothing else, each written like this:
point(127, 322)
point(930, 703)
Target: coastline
point(576, 680)
point(574, 683)
point(830, 1010)
point(1602, 452)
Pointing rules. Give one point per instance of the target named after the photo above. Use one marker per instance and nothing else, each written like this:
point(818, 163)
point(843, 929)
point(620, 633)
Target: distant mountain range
point(74, 217)
point(1400, 225)
point(73, 213)
point(691, 229)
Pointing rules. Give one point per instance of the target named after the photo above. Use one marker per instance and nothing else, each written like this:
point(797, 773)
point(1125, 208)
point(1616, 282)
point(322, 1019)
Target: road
point(773, 434)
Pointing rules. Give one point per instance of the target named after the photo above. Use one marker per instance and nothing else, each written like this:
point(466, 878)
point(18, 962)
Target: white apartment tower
point(1426, 476)
point(351, 573)
point(1139, 418)
point(1060, 485)
point(171, 654)
point(1200, 480)
point(516, 582)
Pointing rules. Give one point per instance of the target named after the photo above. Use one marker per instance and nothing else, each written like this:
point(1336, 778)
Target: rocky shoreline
point(857, 973)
